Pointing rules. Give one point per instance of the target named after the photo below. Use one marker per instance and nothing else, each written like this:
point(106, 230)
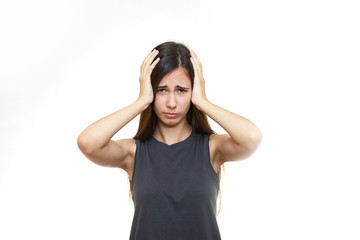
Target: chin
point(171, 122)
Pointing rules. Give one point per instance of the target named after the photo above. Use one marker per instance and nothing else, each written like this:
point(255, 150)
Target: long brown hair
point(172, 56)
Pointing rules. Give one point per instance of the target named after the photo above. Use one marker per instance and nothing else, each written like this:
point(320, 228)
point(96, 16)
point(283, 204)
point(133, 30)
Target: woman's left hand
point(198, 93)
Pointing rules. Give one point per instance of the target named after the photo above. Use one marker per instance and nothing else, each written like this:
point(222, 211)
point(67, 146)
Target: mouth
point(171, 115)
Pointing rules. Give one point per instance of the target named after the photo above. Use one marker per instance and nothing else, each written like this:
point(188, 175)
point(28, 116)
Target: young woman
point(174, 160)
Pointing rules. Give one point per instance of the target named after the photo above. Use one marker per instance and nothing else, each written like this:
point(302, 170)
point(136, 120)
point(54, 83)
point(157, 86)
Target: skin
point(242, 139)
point(173, 96)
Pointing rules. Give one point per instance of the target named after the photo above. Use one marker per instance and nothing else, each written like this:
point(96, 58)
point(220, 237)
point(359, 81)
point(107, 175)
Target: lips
point(171, 115)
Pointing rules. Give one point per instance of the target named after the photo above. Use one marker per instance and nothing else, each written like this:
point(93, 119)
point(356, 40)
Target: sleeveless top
point(175, 189)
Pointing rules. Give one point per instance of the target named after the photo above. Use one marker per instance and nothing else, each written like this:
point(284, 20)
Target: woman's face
point(173, 97)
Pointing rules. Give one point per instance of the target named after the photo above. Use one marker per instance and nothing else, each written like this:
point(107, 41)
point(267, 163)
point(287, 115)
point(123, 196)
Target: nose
point(171, 101)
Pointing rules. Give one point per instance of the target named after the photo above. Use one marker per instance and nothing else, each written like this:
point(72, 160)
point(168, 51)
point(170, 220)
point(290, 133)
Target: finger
point(149, 58)
point(194, 66)
point(151, 67)
point(196, 60)
point(198, 63)
point(193, 54)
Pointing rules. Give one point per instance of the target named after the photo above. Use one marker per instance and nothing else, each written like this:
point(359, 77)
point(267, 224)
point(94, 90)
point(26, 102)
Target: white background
point(292, 67)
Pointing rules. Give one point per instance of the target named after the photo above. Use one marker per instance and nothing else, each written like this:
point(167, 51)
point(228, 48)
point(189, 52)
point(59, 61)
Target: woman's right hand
point(146, 91)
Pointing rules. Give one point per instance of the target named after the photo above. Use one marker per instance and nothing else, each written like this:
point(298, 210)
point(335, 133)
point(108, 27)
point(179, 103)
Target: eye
point(181, 90)
point(161, 90)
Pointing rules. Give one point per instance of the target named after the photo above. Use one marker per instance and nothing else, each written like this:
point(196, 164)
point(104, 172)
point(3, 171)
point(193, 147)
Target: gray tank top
point(174, 190)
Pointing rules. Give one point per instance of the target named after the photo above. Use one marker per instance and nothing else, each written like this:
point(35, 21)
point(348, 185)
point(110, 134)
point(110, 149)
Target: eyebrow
point(178, 86)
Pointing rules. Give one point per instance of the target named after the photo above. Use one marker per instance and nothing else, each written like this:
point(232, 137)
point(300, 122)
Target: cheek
point(186, 101)
point(158, 102)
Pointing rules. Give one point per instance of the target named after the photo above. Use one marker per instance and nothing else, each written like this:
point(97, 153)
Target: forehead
point(178, 76)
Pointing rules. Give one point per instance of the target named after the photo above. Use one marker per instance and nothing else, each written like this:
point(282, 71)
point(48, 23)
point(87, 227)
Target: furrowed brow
point(178, 86)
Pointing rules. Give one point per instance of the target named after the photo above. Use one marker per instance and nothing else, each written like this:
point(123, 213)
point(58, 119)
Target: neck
point(172, 135)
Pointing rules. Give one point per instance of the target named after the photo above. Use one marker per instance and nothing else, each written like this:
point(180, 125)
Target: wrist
point(201, 103)
point(144, 102)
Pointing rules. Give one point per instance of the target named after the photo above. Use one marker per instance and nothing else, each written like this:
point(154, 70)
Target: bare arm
point(95, 141)
point(244, 137)
point(99, 133)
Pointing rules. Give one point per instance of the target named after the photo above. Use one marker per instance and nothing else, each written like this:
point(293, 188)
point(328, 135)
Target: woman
point(174, 160)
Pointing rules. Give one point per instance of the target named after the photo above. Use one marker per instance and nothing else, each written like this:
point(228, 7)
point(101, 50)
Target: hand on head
point(198, 94)
point(146, 69)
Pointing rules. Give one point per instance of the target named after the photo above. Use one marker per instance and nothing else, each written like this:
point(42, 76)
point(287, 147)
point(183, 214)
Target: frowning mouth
point(171, 115)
